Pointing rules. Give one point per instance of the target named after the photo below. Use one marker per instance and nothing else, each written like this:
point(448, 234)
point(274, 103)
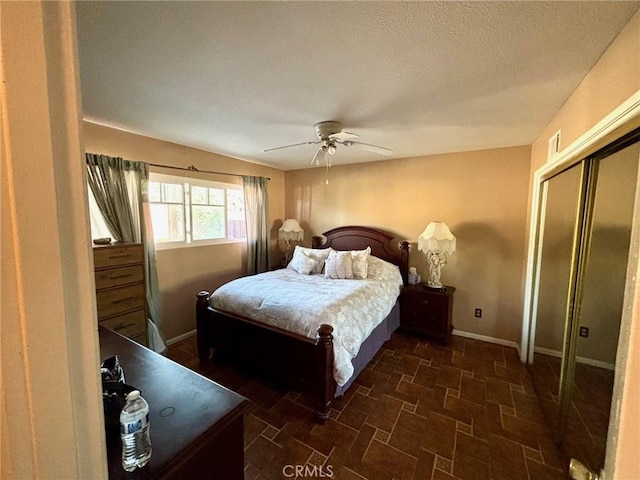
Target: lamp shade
point(291, 231)
point(437, 237)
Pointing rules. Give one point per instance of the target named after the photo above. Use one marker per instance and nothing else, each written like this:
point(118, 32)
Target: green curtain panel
point(256, 206)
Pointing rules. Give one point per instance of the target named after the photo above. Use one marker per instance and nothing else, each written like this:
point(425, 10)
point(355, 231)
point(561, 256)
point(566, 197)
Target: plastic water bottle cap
point(133, 395)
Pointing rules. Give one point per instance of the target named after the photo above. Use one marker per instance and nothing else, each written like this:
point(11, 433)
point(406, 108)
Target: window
point(187, 211)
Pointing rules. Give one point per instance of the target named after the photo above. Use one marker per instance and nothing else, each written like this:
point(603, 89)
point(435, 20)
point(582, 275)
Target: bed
point(294, 355)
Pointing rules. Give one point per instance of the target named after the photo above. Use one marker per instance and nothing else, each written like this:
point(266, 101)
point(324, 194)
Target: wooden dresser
point(120, 289)
point(196, 428)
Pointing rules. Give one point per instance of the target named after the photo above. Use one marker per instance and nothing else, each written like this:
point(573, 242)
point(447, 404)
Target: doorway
point(585, 220)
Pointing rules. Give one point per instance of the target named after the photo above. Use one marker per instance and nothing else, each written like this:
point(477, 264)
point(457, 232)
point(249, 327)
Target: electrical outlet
point(478, 313)
point(584, 332)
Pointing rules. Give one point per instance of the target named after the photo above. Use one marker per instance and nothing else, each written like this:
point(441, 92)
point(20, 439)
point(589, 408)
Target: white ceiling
point(419, 78)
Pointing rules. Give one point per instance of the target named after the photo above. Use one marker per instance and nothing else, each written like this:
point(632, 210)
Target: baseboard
point(485, 338)
point(583, 360)
point(179, 338)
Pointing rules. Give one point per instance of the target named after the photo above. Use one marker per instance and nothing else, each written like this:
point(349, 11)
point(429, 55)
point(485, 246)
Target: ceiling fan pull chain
point(326, 174)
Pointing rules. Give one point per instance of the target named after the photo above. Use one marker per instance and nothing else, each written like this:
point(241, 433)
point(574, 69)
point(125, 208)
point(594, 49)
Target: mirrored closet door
point(585, 223)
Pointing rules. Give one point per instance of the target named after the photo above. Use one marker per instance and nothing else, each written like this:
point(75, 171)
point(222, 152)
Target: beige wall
point(183, 272)
point(614, 79)
point(481, 195)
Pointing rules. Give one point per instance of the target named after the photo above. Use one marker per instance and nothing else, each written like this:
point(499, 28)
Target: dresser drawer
point(119, 276)
point(107, 257)
point(131, 324)
point(119, 300)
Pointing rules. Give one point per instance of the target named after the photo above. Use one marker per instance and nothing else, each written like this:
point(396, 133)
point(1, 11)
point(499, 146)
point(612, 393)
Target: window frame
point(188, 183)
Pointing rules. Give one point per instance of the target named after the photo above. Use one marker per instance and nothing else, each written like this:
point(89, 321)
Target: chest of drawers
point(120, 289)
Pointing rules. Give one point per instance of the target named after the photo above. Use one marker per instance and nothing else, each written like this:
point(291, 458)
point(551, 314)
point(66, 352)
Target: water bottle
point(134, 432)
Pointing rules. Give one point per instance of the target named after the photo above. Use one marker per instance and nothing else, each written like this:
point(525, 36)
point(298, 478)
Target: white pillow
point(360, 260)
point(318, 254)
point(303, 264)
point(383, 271)
point(338, 265)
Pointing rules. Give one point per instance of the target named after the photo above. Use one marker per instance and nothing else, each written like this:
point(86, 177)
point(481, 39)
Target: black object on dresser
point(196, 424)
point(427, 310)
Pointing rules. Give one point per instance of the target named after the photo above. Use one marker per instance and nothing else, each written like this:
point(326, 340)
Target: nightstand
point(427, 311)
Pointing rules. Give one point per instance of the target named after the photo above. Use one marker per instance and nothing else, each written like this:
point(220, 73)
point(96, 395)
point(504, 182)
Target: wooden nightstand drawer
point(130, 324)
point(119, 276)
point(430, 304)
point(120, 300)
point(115, 256)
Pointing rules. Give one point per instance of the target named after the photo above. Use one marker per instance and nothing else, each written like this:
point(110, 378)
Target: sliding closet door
point(585, 219)
point(596, 326)
point(559, 221)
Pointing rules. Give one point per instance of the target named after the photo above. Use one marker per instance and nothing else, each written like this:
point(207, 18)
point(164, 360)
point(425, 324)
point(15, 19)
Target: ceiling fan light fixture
point(331, 148)
point(320, 155)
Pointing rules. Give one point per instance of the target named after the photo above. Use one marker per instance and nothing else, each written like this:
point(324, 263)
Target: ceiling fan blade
point(368, 147)
point(289, 146)
point(343, 136)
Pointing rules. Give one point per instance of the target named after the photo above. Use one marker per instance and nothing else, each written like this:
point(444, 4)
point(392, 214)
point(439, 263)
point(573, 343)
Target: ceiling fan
point(330, 135)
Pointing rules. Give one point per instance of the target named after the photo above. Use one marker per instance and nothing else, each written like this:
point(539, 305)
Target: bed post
point(201, 326)
point(325, 382)
point(404, 261)
point(316, 241)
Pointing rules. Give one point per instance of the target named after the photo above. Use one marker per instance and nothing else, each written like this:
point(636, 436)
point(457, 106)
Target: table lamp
point(437, 242)
point(290, 231)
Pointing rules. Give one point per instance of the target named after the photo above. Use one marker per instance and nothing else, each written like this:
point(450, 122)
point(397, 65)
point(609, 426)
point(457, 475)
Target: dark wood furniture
point(120, 289)
point(308, 361)
point(196, 424)
point(427, 311)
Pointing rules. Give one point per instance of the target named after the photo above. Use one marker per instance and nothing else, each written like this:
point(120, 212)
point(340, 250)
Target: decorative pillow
point(360, 260)
point(318, 254)
point(303, 264)
point(338, 265)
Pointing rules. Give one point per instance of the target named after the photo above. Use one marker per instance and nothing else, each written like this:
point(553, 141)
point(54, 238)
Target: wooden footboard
point(293, 356)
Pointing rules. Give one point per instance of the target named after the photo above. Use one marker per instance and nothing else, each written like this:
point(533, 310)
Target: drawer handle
point(122, 255)
point(121, 300)
point(126, 325)
point(118, 277)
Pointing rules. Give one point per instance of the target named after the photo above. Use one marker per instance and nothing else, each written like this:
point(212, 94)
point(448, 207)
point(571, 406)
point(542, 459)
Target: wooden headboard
point(359, 238)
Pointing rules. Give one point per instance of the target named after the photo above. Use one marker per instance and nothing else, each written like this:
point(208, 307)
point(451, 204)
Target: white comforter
point(300, 303)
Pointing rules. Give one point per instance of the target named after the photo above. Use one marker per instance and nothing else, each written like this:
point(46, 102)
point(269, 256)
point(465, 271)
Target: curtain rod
point(192, 168)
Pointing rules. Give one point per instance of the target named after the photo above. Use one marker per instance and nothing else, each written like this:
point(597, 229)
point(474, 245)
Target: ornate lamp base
point(437, 260)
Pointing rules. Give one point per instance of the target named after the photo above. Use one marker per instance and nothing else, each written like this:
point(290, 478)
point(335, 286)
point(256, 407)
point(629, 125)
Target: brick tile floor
point(419, 410)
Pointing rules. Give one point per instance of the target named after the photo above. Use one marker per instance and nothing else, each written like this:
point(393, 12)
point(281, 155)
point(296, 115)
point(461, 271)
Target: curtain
point(109, 187)
point(256, 206)
point(120, 189)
